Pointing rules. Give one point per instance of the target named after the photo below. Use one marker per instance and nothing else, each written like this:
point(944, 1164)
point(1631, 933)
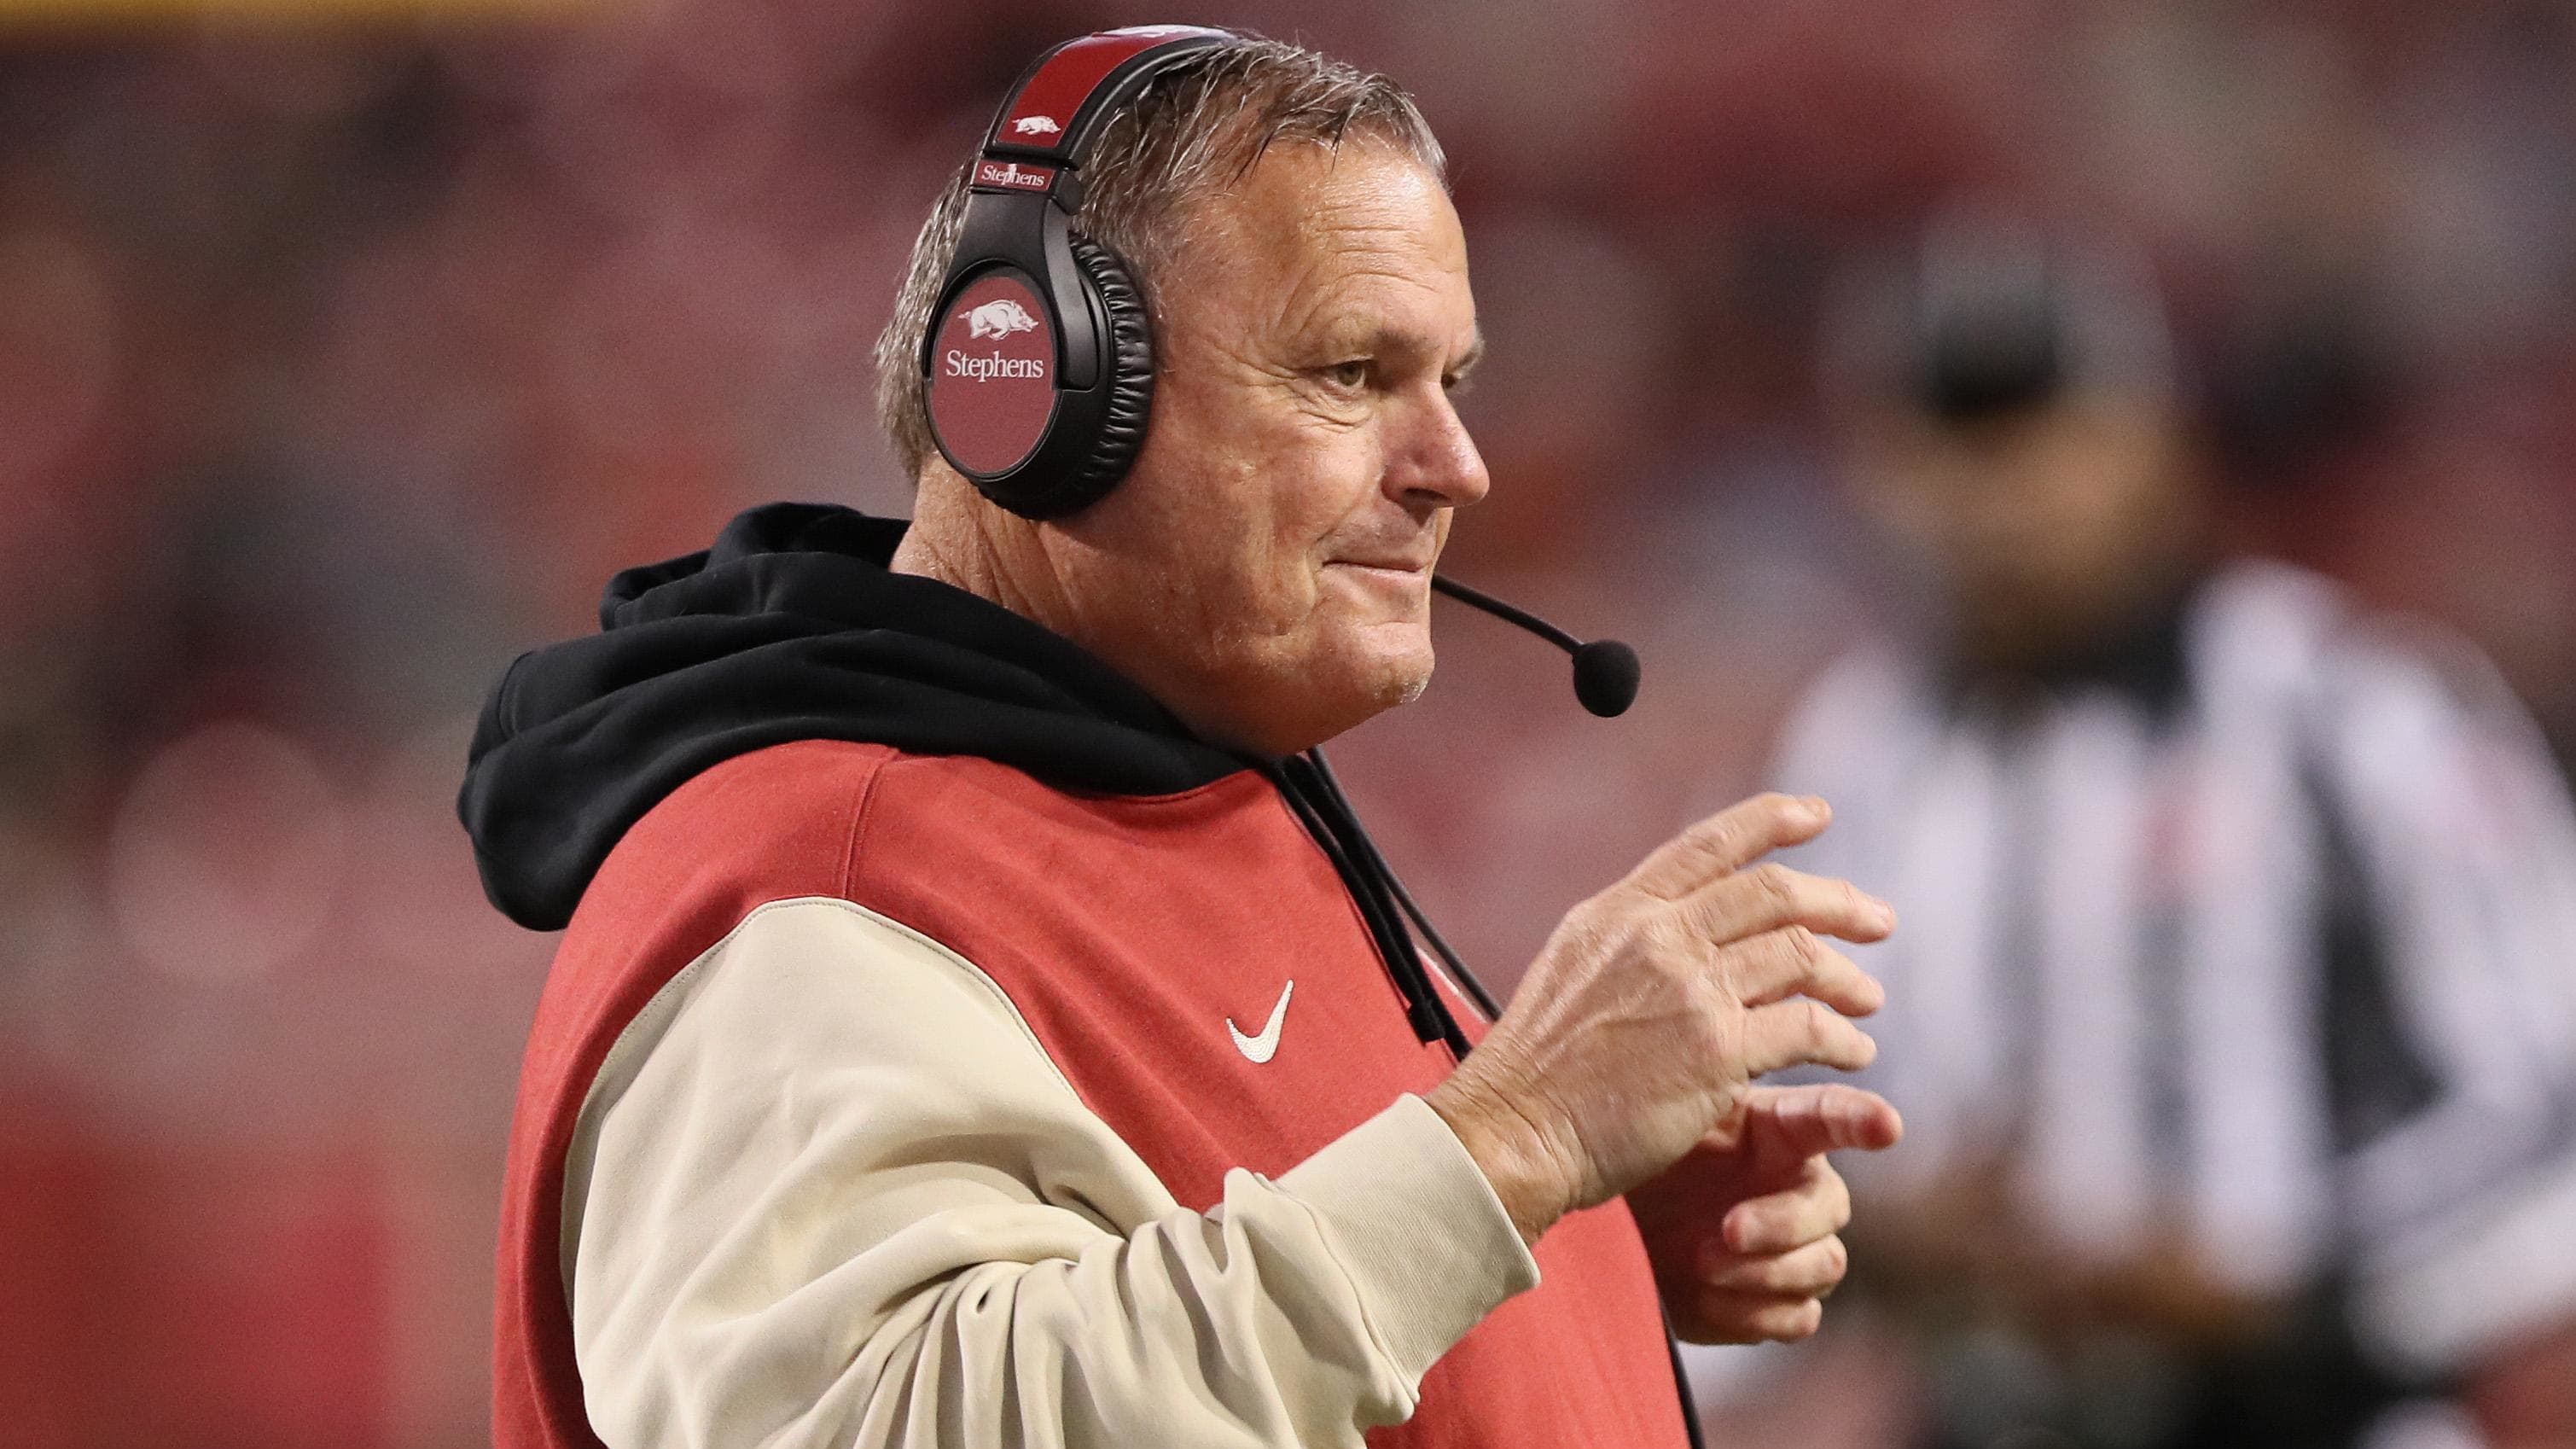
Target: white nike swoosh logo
point(1259, 1049)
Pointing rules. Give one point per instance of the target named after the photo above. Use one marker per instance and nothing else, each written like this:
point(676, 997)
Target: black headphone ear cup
point(1130, 367)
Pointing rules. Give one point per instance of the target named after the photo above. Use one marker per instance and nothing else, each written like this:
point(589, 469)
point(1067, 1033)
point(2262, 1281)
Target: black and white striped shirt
point(2273, 938)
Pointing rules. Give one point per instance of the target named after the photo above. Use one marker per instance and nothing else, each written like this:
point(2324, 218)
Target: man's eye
point(1352, 374)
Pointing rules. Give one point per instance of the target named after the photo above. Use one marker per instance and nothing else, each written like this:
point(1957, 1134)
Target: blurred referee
point(2235, 1013)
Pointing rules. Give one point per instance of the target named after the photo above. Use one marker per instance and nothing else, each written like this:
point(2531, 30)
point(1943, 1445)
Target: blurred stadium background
point(346, 348)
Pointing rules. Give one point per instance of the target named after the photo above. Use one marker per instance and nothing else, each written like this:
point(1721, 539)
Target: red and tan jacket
point(887, 1098)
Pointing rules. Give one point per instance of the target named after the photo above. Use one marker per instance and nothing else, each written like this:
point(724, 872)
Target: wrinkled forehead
point(1311, 239)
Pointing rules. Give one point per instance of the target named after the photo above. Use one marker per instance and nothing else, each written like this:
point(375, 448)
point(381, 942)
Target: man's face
point(1265, 569)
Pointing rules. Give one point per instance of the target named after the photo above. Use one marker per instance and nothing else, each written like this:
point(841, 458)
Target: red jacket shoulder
point(769, 825)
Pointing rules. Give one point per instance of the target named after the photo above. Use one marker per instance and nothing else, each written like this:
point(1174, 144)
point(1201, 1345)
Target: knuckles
point(1774, 885)
point(1717, 1037)
point(1803, 946)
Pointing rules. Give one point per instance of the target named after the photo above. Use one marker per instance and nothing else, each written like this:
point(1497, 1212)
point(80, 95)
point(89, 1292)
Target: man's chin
point(1347, 686)
point(1399, 675)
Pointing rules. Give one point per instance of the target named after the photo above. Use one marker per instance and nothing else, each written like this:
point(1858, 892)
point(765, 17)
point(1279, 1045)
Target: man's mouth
point(1388, 563)
point(1393, 583)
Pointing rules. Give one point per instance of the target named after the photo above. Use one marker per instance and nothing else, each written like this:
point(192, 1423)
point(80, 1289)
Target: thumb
point(1803, 1122)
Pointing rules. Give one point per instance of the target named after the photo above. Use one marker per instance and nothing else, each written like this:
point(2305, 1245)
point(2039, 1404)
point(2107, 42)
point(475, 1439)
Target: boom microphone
point(1605, 670)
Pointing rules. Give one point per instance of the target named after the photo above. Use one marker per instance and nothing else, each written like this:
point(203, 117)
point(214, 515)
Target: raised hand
point(1654, 1005)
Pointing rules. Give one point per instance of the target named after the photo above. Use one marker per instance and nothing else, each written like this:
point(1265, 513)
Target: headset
point(1038, 366)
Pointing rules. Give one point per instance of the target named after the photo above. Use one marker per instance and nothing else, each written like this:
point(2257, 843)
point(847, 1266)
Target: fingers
point(1766, 1274)
point(1816, 1208)
point(1726, 1316)
point(1727, 841)
point(1803, 1031)
point(1808, 1272)
point(1771, 897)
point(1794, 961)
point(1809, 1121)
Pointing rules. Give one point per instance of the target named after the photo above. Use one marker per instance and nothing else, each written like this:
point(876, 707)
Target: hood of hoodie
point(791, 627)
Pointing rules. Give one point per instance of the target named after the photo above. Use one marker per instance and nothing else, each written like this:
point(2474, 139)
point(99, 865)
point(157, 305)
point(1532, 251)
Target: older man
point(976, 1024)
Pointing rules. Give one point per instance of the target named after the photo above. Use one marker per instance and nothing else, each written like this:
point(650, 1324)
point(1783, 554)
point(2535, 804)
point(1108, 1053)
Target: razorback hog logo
point(999, 318)
point(1036, 126)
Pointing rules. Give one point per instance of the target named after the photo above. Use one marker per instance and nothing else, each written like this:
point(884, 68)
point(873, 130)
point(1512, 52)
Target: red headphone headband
point(1073, 87)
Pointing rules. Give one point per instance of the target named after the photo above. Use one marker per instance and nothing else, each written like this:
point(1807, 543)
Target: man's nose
point(1431, 462)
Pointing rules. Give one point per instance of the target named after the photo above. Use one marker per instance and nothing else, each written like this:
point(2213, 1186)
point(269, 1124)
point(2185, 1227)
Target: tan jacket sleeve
point(828, 1189)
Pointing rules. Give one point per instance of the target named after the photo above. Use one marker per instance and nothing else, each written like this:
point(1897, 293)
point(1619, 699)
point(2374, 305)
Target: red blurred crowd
point(340, 359)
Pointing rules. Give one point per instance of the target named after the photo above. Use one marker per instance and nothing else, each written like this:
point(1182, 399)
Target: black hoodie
point(791, 627)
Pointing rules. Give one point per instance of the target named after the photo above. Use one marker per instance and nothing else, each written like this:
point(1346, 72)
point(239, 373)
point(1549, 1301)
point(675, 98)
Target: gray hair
point(1192, 132)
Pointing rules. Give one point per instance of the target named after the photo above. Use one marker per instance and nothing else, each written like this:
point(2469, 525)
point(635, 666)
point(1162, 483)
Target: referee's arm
point(2465, 843)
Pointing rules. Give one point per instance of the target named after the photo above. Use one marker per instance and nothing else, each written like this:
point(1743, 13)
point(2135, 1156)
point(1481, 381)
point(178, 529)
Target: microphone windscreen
point(1605, 677)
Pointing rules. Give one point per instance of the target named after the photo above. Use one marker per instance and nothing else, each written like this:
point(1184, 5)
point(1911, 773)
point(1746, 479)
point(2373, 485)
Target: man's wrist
point(1518, 1158)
